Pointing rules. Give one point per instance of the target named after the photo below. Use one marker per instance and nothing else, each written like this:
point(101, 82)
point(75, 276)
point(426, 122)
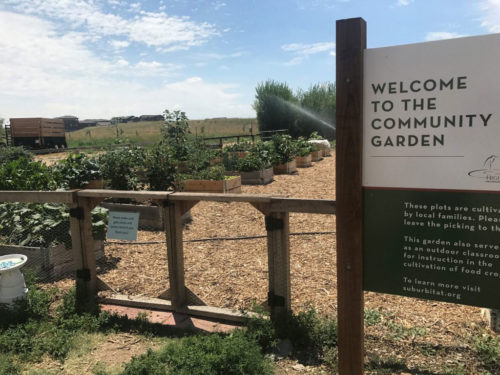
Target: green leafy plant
point(240, 147)
point(8, 154)
point(204, 355)
point(304, 148)
point(211, 173)
point(120, 167)
point(160, 167)
point(176, 132)
point(31, 224)
point(372, 317)
point(77, 170)
point(315, 136)
point(252, 162)
point(25, 174)
point(284, 148)
point(488, 349)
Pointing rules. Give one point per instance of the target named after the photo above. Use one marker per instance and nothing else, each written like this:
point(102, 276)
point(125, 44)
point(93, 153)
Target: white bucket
point(12, 286)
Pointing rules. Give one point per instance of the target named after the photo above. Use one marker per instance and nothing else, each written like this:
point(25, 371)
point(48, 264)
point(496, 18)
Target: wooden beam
point(312, 206)
point(215, 197)
point(350, 44)
point(37, 196)
point(138, 195)
point(163, 305)
point(172, 216)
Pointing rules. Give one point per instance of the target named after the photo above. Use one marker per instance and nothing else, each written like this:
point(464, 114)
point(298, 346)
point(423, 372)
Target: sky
point(105, 58)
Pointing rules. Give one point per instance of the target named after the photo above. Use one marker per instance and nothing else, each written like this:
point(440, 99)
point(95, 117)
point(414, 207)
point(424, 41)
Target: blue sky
point(104, 58)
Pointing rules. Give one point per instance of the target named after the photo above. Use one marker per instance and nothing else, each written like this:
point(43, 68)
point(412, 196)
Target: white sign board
point(438, 126)
point(123, 225)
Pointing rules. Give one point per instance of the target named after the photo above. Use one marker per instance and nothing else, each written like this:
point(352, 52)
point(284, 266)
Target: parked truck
point(37, 132)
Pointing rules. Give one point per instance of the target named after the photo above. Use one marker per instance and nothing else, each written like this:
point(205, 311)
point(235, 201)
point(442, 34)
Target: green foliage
point(24, 174)
point(315, 136)
point(252, 162)
point(386, 366)
point(284, 149)
point(160, 167)
point(372, 317)
point(120, 167)
point(278, 107)
point(215, 172)
point(77, 170)
point(240, 147)
point(273, 106)
point(8, 154)
point(488, 349)
point(8, 366)
point(314, 338)
point(33, 224)
point(400, 332)
point(318, 105)
point(304, 148)
point(203, 355)
point(176, 131)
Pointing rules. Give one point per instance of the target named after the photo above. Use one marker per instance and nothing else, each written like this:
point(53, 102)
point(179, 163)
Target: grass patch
point(487, 348)
point(400, 332)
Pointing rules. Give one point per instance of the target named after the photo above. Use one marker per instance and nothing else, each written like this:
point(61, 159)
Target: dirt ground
point(425, 334)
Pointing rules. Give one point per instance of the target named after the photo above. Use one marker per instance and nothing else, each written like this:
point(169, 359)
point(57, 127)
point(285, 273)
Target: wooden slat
point(312, 206)
point(350, 45)
point(139, 195)
point(164, 305)
point(37, 196)
point(180, 196)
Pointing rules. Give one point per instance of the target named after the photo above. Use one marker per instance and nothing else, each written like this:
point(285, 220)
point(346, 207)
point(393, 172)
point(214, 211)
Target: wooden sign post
point(351, 42)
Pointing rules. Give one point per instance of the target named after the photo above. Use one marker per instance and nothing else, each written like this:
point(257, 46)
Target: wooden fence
point(173, 206)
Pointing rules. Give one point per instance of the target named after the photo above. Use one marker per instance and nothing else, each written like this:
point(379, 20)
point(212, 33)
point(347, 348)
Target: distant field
point(149, 131)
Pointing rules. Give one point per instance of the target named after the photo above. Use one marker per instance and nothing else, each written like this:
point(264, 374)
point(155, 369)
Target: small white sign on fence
point(123, 225)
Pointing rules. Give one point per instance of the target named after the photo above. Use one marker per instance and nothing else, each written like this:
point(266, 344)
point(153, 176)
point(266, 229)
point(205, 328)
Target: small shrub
point(25, 174)
point(8, 366)
point(8, 154)
point(77, 170)
point(372, 317)
point(488, 349)
point(160, 167)
point(120, 167)
point(284, 149)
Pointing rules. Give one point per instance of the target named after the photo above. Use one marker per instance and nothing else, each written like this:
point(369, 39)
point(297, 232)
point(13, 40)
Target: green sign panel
point(434, 245)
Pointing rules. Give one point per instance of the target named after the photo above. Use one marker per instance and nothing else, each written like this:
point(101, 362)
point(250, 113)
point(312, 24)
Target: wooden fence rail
point(173, 206)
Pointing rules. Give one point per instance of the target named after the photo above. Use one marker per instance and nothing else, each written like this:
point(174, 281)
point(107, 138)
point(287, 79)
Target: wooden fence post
point(278, 250)
point(172, 214)
point(83, 250)
point(350, 44)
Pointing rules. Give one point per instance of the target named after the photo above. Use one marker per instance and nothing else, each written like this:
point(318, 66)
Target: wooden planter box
point(316, 155)
point(287, 168)
point(50, 262)
point(304, 161)
point(261, 177)
point(326, 151)
point(149, 216)
point(231, 185)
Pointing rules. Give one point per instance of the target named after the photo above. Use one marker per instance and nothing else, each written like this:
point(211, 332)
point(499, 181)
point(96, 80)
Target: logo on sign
point(489, 173)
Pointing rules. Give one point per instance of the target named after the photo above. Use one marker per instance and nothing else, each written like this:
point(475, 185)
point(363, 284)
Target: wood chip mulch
point(232, 274)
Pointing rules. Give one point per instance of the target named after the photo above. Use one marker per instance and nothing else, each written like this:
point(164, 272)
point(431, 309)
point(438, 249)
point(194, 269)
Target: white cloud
point(219, 4)
point(303, 51)
point(440, 35)
point(44, 73)
point(168, 33)
point(118, 44)
point(491, 17)
point(404, 3)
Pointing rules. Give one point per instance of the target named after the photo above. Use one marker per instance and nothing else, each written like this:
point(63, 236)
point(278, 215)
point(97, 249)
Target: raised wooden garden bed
point(304, 161)
point(50, 262)
point(287, 168)
point(261, 177)
point(149, 216)
point(316, 155)
point(230, 185)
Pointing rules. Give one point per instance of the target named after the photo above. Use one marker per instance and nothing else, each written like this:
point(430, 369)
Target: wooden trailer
point(37, 132)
